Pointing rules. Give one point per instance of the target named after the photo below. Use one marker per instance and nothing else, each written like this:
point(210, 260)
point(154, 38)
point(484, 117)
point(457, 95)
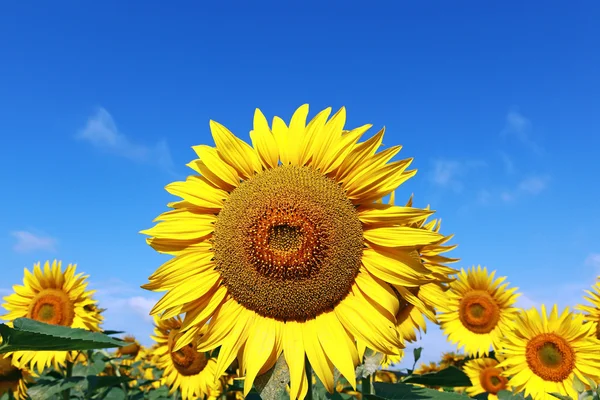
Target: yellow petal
point(182, 225)
point(296, 134)
point(199, 192)
point(385, 214)
point(263, 141)
point(313, 136)
point(259, 347)
point(401, 236)
point(331, 135)
point(280, 133)
point(193, 289)
point(319, 362)
point(215, 163)
point(338, 348)
point(293, 351)
point(235, 151)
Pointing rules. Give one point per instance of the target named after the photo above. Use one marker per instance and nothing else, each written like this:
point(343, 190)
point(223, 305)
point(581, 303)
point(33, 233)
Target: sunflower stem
point(66, 394)
point(365, 386)
point(309, 393)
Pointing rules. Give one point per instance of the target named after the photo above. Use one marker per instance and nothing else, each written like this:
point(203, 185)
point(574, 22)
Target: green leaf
point(508, 395)
point(405, 391)
point(99, 382)
point(46, 388)
point(160, 393)
point(28, 334)
point(115, 394)
point(450, 376)
point(417, 355)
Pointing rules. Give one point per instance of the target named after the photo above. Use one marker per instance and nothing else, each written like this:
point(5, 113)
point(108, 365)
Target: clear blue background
point(497, 103)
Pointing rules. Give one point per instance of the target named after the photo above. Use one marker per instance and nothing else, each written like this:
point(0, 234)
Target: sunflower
point(54, 297)
point(427, 368)
point(485, 376)
point(13, 379)
point(299, 215)
point(190, 371)
point(544, 353)
point(592, 313)
point(452, 359)
point(478, 309)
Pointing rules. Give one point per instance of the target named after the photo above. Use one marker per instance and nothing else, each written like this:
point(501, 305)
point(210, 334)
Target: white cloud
point(507, 197)
point(534, 185)
point(449, 173)
point(509, 165)
point(519, 126)
point(29, 242)
point(102, 132)
point(127, 308)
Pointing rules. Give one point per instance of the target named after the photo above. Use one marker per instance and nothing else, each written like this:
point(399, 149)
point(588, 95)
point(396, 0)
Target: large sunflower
point(286, 247)
point(544, 353)
point(485, 376)
point(55, 297)
point(592, 312)
point(191, 372)
point(478, 309)
point(13, 379)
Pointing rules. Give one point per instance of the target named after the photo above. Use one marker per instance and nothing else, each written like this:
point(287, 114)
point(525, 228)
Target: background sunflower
point(55, 297)
point(544, 352)
point(477, 310)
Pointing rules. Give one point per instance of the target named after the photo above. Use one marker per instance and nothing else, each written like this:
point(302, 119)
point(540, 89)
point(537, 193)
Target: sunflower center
point(288, 243)
point(550, 357)
point(52, 306)
point(187, 361)
point(478, 312)
point(285, 238)
point(9, 375)
point(491, 380)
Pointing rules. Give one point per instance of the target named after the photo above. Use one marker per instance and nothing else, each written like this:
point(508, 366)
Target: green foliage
point(390, 391)
point(447, 377)
point(27, 334)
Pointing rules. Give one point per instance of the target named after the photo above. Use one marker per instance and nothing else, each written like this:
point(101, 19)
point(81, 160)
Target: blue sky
point(498, 104)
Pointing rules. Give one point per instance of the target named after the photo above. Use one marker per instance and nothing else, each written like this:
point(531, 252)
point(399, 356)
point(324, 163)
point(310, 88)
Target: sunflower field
point(295, 273)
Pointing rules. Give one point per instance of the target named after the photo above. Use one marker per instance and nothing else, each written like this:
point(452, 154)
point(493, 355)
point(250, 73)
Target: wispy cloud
point(29, 242)
point(450, 173)
point(127, 308)
point(509, 165)
point(101, 131)
point(532, 186)
point(520, 127)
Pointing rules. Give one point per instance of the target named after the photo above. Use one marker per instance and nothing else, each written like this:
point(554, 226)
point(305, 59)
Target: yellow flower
point(485, 376)
point(592, 312)
point(478, 309)
point(54, 297)
point(13, 379)
point(296, 214)
point(543, 353)
point(191, 372)
point(427, 368)
point(451, 358)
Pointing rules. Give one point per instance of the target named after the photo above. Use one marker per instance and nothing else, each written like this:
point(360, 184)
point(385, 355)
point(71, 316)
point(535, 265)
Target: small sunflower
point(427, 368)
point(13, 379)
point(451, 359)
point(55, 297)
point(542, 353)
point(478, 309)
point(191, 372)
point(592, 312)
point(299, 215)
point(485, 376)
